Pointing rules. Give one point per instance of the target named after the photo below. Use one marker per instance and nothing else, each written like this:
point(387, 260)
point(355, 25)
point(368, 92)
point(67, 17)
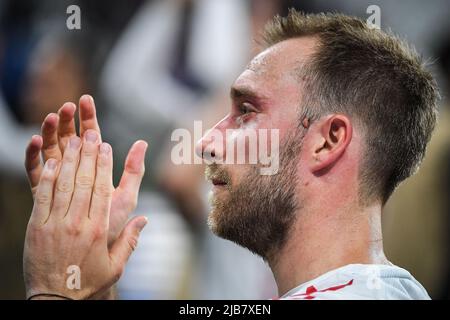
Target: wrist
point(46, 293)
point(48, 296)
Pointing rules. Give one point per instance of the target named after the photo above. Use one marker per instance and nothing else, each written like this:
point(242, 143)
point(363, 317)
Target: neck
point(325, 239)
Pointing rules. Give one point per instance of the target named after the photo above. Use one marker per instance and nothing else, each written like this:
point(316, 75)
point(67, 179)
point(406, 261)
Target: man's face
point(251, 209)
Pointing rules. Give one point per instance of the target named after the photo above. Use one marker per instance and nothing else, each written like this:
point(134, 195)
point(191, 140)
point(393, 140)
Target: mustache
point(214, 172)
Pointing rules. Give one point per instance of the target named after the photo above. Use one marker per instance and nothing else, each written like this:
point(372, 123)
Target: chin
point(218, 219)
point(212, 223)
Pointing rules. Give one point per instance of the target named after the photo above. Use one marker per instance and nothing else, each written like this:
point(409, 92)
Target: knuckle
point(103, 163)
point(49, 229)
point(40, 234)
point(84, 181)
point(64, 186)
point(43, 199)
point(74, 228)
point(51, 148)
point(47, 177)
point(33, 230)
point(103, 190)
point(69, 158)
point(98, 233)
point(133, 242)
point(132, 169)
point(89, 153)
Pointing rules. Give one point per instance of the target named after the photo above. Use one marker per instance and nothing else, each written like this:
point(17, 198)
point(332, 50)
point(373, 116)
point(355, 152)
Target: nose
point(211, 146)
point(205, 147)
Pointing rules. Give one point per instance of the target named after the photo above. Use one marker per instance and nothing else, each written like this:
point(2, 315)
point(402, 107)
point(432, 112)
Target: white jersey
point(361, 281)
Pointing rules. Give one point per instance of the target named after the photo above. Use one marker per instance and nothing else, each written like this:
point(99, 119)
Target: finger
point(103, 187)
point(50, 147)
point(127, 243)
point(132, 176)
point(44, 193)
point(65, 182)
point(84, 180)
point(88, 116)
point(66, 124)
point(33, 163)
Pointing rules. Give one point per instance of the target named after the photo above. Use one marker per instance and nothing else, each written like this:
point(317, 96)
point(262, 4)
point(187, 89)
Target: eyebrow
point(244, 92)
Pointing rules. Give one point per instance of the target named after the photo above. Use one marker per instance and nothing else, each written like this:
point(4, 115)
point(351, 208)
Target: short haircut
point(374, 78)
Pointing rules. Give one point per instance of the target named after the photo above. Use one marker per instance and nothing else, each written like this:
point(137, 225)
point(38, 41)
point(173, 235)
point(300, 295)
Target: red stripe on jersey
point(311, 290)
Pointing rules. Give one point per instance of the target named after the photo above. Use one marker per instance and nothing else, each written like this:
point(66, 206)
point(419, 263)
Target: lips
point(218, 182)
point(218, 177)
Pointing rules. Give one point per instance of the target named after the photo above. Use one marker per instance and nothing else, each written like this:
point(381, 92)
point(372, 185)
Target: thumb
point(127, 241)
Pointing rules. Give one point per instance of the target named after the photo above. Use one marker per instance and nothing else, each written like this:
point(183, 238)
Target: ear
point(332, 137)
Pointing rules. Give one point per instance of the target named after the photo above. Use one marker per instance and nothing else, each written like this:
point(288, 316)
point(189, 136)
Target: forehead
point(277, 66)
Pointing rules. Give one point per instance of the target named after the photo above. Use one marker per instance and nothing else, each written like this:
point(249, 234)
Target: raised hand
point(56, 131)
point(68, 227)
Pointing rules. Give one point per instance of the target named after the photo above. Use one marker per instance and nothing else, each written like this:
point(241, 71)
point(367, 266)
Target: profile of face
point(253, 210)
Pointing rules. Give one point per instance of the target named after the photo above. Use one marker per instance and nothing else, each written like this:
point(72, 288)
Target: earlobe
point(334, 135)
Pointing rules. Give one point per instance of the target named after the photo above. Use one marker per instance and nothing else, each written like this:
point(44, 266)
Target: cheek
point(237, 173)
point(240, 143)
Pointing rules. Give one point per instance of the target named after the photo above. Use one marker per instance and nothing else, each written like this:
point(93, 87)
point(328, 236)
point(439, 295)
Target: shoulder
point(360, 282)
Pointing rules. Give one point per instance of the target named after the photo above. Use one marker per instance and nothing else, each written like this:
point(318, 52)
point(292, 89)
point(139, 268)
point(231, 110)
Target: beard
point(259, 211)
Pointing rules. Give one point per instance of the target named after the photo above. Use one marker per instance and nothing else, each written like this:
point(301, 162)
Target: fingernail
point(35, 137)
point(146, 145)
point(91, 136)
point(50, 116)
point(74, 142)
point(141, 223)
point(105, 148)
point(51, 164)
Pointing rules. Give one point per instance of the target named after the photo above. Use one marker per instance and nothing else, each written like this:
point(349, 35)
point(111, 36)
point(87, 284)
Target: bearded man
point(354, 108)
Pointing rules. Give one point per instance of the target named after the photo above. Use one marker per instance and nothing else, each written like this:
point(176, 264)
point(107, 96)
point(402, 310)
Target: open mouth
point(218, 182)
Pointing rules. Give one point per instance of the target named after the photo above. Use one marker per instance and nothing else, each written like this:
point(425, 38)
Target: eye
point(245, 108)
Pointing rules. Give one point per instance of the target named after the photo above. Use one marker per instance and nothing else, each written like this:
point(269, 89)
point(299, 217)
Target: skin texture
point(261, 224)
point(63, 233)
point(330, 228)
point(57, 130)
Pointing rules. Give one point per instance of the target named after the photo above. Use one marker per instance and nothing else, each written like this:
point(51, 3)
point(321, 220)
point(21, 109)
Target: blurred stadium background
point(153, 66)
